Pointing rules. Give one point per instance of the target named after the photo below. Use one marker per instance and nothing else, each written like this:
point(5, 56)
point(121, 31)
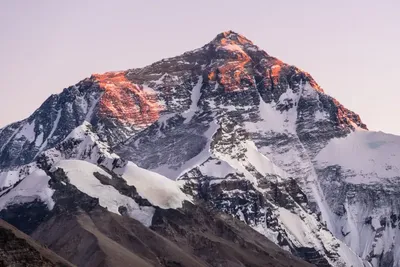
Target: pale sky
point(350, 47)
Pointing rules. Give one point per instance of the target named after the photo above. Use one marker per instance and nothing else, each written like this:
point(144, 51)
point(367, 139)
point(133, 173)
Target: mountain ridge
point(120, 98)
point(17, 249)
point(237, 130)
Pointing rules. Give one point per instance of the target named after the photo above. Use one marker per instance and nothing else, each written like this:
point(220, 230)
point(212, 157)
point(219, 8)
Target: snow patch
point(81, 174)
point(295, 226)
point(200, 158)
point(195, 97)
point(366, 156)
point(233, 48)
point(27, 131)
point(39, 140)
point(321, 115)
point(93, 103)
point(8, 178)
point(90, 148)
point(149, 90)
point(253, 48)
point(262, 164)
point(55, 125)
point(157, 189)
point(34, 186)
point(274, 120)
point(216, 168)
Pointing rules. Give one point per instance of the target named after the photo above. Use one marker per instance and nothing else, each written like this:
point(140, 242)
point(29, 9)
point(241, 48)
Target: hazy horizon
point(350, 49)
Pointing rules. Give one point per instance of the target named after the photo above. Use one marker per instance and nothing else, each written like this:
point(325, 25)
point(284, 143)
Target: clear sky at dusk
point(351, 48)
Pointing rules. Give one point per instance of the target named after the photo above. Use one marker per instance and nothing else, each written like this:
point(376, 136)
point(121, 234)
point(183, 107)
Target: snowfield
point(33, 187)
point(81, 174)
point(369, 157)
point(157, 189)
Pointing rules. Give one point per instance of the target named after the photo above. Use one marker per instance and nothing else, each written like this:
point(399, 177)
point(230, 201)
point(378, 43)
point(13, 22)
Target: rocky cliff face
point(234, 128)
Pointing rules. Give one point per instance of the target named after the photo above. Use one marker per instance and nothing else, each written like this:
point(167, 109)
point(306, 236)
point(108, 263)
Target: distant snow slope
point(360, 175)
point(367, 157)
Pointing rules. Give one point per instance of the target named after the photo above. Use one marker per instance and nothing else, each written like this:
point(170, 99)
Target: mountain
point(96, 209)
point(223, 129)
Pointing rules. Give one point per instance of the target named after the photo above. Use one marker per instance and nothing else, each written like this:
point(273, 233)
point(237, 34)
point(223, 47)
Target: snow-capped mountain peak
point(231, 126)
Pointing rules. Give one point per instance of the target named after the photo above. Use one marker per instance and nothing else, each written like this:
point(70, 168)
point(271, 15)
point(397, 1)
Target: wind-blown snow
point(81, 174)
point(34, 186)
point(157, 189)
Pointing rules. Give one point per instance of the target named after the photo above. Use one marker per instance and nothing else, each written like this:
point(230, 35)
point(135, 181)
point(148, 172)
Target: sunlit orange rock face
point(212, 76)
point(274, 72)
point(313, 83)
point(233, 75)
point(127, 102)
point(347, 117)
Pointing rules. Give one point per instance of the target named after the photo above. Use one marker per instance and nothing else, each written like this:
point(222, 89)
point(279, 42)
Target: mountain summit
point(179, 146)
point(120, 104)
point(231, 37)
